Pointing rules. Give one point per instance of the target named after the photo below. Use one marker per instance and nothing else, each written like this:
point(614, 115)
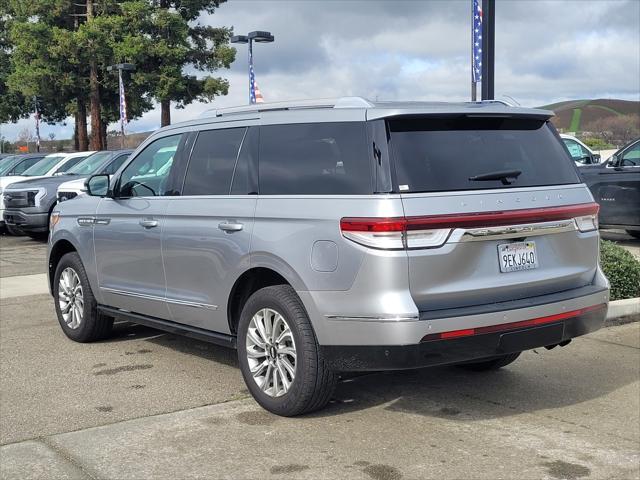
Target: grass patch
point(575, 120)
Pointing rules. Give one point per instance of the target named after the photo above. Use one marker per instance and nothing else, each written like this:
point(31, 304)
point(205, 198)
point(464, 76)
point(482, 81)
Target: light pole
point(260, 37)
point(123, 103)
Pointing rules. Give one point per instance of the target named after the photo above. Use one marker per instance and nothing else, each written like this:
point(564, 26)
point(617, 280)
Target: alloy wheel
point(271, 352)
point(71, 298)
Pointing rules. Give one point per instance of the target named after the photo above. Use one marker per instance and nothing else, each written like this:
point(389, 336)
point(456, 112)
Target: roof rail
point(503, 102)
point(344, 102)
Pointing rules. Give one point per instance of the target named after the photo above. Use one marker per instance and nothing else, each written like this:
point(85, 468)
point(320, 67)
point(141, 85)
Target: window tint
point(442, 154)
point(21, 167)
point(115, 164)
point(69, 164)
point(148, 173)
point(577, 151)
point(212, 162)
point(631, 158)
point(90, 164)
point(319, 158)
point(244, 181)
point(43, 166)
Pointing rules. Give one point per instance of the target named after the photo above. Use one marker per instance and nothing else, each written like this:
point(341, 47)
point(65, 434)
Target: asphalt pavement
point(145, 404)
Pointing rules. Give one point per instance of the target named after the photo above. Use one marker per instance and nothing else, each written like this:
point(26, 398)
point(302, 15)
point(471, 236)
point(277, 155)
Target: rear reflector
point(511, 326)
point(434, 230)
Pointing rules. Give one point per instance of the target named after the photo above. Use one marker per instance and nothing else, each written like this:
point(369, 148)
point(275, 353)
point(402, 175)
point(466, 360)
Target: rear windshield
point(462, 153)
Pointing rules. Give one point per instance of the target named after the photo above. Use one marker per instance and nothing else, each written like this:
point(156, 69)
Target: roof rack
point(343, 102)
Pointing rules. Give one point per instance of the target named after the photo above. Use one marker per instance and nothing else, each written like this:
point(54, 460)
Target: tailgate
point(551, 253)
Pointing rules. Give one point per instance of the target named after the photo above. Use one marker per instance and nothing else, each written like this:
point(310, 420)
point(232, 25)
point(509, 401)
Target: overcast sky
point(546, 51)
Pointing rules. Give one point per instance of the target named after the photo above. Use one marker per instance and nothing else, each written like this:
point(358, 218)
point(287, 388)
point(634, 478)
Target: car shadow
point(532, 383)
point(125, 331)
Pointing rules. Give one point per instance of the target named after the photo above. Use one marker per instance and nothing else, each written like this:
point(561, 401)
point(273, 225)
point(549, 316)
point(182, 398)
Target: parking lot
point(148, 404)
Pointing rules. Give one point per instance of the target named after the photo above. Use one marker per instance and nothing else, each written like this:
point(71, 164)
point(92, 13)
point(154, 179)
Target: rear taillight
point(392, 233)
point(433, 231)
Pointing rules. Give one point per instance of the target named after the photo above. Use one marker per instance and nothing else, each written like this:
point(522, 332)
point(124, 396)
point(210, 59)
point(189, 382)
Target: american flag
point(258, 93)
point(123, 102)
point(476, 64)
point(252, 79)
point(255, 95)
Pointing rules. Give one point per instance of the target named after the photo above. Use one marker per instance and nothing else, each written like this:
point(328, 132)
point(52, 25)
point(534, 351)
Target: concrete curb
point(624, 308)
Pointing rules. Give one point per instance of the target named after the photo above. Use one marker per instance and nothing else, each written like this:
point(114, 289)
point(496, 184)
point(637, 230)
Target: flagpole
point(37, 115)
point(251, 71)
point(474, 90)
point(121, 91)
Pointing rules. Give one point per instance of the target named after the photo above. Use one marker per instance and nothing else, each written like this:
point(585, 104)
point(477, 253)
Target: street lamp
point(259, 37)
point(123, 104)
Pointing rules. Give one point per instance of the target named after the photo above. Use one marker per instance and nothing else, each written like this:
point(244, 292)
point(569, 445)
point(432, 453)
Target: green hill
point(573, 115)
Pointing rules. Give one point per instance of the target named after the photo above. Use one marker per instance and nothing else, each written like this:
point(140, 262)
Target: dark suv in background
point(615, 185)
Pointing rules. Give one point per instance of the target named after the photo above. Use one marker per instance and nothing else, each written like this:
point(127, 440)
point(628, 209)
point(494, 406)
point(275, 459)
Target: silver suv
point(326, 237)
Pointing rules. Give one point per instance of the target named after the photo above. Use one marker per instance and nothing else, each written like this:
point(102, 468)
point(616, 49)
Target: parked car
point(29, 203)
point(319, 238)
point(76, 187)
point(615, 184)
point(10, 169)
point(580, 153)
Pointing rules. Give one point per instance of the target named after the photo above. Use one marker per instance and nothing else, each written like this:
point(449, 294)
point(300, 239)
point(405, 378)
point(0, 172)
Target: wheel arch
point(249, 282)
point(58, 250)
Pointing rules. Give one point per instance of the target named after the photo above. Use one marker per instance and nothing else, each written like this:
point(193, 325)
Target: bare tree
point(26, 135)
point(52, 136)
point(616, 130)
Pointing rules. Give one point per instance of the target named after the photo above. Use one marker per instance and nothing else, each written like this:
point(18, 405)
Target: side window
point(22, 166)
point(115, 164)
point(212, 162)
point(318, 158)
point(244, 178)
point(576, 150)
point(148, 173)
point(631, 158)
point(68, 164)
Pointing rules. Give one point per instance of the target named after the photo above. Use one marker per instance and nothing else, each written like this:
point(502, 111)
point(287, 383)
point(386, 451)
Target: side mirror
point(597, 158)
point(98, 185)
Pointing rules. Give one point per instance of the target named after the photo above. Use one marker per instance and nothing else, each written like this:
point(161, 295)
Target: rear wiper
point(502, 175)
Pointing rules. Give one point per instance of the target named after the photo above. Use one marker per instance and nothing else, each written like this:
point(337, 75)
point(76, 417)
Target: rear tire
point(634, 233)
point(75, 304)
point(491, 364)
point(312, 383)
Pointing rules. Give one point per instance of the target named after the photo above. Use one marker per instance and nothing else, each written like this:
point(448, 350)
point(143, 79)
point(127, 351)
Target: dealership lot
point(148, 404)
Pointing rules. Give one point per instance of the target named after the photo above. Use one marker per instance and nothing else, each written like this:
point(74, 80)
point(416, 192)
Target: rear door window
point(317, 158)
point(462, 153)
point(212, 162)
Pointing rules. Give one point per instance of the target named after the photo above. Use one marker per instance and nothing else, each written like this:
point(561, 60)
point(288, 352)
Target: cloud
point(546, 51)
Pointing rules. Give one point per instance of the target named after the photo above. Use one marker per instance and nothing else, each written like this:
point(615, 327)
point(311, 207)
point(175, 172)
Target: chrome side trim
point(160, 299)
point(192, 304)
point(516, 231)
point(367, 318)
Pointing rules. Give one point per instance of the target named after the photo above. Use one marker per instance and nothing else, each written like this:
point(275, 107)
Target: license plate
point(514, 257)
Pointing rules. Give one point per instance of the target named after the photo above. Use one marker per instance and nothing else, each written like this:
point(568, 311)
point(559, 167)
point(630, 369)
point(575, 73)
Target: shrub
point(622, 269)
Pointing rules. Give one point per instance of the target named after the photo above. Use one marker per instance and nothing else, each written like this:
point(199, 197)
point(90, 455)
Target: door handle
point(148, 223)
point(230, 226)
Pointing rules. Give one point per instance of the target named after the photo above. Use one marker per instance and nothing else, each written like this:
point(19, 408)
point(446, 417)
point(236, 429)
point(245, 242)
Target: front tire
point(279, 356)
point(76, 306)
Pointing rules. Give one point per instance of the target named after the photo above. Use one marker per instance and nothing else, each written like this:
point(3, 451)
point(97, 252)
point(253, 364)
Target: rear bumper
point(28, 222)
point(466, 347)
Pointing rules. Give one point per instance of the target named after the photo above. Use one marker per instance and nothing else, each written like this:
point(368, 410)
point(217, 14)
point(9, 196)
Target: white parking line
point(23, 285)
